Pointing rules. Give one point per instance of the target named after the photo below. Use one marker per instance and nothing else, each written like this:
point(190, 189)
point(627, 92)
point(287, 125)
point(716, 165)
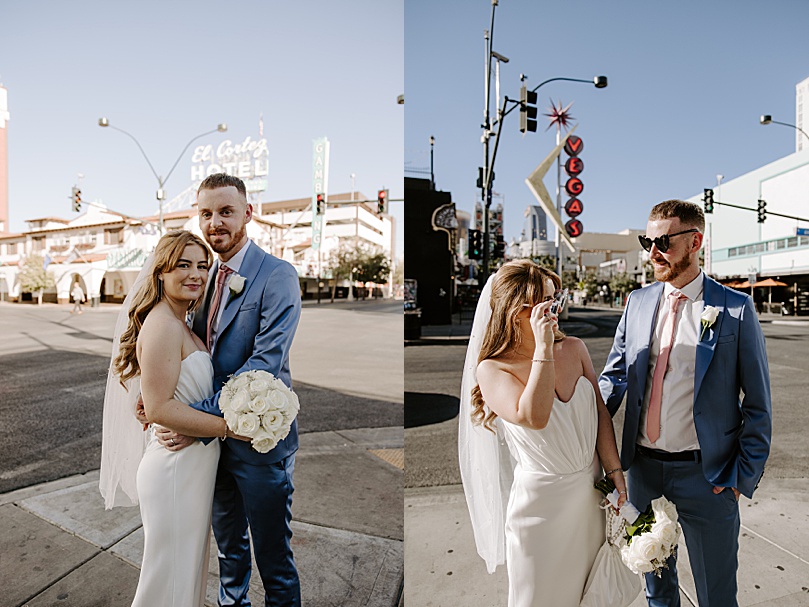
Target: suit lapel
point(249, 270)
point(200, 322)
point(713, 294)
point(646, 324)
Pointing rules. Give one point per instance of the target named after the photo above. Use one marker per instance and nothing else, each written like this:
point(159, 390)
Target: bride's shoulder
point(162, 324)
point(501, 364)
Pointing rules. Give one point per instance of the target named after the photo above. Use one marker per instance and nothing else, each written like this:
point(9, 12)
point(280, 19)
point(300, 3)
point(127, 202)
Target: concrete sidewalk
point(58, 546)
point(773, 551)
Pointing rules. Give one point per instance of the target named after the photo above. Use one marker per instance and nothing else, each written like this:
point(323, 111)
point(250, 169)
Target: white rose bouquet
point(258, 405)
point(651, 537)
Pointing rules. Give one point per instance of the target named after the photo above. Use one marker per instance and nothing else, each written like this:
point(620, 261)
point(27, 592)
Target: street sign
point(574, 166)
point(574, 228)
point(574, 145)
point(574, 186)
point(574, 207)
point(801, 231)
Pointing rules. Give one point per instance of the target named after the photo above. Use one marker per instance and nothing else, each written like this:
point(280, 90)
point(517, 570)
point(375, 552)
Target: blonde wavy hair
point(516, 283)
point(167, 254)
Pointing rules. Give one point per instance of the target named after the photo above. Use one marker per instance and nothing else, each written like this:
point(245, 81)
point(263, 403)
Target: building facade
point(104, 251)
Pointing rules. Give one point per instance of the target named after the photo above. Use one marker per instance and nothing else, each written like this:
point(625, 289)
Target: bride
point(156, 354)
point(529, 386)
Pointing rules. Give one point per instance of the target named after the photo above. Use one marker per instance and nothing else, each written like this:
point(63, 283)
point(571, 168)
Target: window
point(39, 243)
point(114, 236)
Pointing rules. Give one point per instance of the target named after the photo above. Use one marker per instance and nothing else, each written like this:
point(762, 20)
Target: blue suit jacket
point(255, 332)
point(734, 434)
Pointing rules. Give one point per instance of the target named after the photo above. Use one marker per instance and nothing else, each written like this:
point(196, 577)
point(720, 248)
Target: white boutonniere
point(708, 318)
point(236, 284)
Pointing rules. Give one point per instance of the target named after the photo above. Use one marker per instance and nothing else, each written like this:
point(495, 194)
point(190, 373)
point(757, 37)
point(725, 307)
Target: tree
point(623, 283)
point(369, 264)
point(589, 284)
point(373, 266)
point(34, 278)
point(546, 261)
point(342, 261)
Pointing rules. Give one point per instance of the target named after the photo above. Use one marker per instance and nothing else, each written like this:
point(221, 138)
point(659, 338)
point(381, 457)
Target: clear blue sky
point(687, 83)
point(167, 71)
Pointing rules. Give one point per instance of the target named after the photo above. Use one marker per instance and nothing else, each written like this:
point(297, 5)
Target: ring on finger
point(173, 444)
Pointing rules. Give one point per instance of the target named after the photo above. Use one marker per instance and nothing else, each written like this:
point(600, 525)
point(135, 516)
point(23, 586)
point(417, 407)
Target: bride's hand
point(171, 440)
point(543, 324)
point(620, 485)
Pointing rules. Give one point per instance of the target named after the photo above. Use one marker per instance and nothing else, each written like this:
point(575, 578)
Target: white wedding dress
point(554, 526)
point(175, 490)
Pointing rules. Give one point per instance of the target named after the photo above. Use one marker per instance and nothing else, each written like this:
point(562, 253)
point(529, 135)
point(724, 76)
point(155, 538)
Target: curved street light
point(161, 181)
point(767, 119)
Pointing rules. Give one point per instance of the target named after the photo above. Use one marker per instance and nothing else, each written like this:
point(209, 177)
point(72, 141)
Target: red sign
point(574, 166)
point(574, 228)
point(574, 186)
point(574, 145)
point(574, 207)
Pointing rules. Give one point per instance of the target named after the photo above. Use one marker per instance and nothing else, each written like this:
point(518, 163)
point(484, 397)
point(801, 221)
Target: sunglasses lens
point(646, 243)
point(662, 243)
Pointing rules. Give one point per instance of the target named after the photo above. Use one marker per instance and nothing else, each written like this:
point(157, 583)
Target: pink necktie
point(213, 311)
point(666, 342)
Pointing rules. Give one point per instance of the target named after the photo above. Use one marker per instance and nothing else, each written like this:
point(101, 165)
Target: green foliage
point(34, 277)
point(589, 284)
point(373, 267)
point(623, 283)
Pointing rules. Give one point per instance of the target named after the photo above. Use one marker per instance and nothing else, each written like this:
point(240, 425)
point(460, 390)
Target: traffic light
point(480, 177)
point(320, 204)
point(528, 110)
point(708, 200)
point(382, 202)
point(76, 197)
point(499, 248)
point(762, 210)
point(475, 244)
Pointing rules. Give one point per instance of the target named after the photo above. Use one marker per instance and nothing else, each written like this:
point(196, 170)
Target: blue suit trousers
point(259, 496)
point(710, 525)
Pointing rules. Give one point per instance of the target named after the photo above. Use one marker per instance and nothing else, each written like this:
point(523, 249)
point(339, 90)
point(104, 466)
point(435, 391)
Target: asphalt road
point(433, 379)
point(53, 369)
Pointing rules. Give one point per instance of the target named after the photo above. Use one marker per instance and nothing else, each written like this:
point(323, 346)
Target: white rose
point(225, 398)
point(240, 382)
point(633, 559)
point(264, 442)
point(232, 419)
point(236, 284)
point(248, 424)
point(666, 533)
point(709, 315)
point(240, 402)
point(278, 400)
point(272, 421)
point(260, 405)
point(259, 386)
point(641, 553)
point(663, 508)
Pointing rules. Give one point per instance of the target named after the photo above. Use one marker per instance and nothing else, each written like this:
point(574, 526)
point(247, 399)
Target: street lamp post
point(599, 82)
point(161, 181)
point(767, 119)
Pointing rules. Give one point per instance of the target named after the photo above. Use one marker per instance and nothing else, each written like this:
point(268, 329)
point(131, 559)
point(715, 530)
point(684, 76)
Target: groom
point(687, 433)
point(248, 320)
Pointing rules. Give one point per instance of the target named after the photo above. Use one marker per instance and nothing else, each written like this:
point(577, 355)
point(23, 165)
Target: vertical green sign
point(320, 180)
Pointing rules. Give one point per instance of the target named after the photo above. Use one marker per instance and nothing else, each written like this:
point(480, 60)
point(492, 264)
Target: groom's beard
point(226, 244)
point(670, 272)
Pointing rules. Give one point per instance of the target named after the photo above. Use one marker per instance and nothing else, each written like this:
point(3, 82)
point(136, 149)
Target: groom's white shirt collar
point(693, 290)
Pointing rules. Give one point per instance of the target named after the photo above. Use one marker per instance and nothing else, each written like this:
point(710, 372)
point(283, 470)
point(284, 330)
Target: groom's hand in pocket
point(173, 441)
point(718, 490)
